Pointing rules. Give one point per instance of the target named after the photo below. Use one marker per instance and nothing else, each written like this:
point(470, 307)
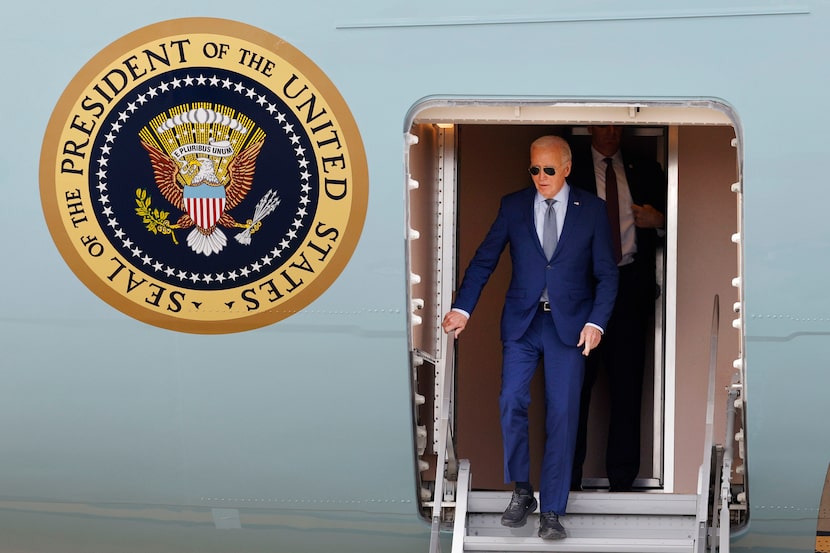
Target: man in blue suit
point(561, 294)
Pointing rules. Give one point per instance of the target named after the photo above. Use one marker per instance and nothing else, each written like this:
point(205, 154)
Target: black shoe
point(521, 504)
point(550, 528)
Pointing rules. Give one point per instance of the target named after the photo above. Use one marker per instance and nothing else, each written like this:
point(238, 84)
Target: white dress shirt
point(628, 232)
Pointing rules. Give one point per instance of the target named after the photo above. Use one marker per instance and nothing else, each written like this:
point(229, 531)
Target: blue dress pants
point(564, 368)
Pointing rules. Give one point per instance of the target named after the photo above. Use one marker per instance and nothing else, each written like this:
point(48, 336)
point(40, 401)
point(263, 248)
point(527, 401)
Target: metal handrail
point(462, 490)
point(446, 447)
point(705, 473)
point(726, 472)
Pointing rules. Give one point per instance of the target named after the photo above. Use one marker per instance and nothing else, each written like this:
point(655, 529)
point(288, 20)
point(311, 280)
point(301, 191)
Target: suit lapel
point(572, 216)
point(529, 216)
point(630, 171)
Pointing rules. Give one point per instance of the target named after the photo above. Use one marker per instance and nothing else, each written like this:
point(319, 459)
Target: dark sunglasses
point(549, 171)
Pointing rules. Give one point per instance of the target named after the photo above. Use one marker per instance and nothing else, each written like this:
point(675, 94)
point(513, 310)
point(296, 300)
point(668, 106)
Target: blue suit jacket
point(581, 277)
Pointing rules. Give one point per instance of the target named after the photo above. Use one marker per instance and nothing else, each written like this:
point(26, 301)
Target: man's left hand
point(590, 338)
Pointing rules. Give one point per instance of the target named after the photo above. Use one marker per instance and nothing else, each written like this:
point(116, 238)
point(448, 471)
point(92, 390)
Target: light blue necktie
point(549, 238)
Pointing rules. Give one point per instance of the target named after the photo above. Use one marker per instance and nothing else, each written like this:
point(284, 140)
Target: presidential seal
point(204, 176)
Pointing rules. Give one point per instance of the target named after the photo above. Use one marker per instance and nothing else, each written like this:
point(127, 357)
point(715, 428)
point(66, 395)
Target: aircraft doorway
point(460, 164)
point(481, 184)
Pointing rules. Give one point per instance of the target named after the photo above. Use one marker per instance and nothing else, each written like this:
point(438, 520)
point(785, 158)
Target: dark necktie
point(549, 238)
point(612, 202)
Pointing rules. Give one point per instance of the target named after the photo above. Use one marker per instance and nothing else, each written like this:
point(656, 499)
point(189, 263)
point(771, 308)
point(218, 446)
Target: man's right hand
point(454, 321)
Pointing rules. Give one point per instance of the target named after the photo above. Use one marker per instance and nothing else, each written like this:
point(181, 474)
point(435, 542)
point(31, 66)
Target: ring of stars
point(177, 273)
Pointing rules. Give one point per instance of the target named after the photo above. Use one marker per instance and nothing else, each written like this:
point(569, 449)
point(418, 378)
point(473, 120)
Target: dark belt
point(544, 305)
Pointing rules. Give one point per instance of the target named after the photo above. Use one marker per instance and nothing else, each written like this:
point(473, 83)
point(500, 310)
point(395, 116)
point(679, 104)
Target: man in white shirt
point(640, 186)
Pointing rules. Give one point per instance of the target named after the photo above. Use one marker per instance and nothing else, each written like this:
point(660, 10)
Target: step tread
point(634, 503)
point(581, 544)
point(591, 525)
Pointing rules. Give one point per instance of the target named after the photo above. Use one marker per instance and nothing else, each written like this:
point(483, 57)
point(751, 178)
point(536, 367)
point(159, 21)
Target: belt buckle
point(545, 306)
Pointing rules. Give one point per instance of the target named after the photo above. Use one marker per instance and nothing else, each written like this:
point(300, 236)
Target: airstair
point(596, 521)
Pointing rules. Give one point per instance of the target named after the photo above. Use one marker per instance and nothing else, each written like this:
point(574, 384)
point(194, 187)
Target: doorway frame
point(672, 114)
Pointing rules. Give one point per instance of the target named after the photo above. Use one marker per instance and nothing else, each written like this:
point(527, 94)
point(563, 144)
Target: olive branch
point(155, 219)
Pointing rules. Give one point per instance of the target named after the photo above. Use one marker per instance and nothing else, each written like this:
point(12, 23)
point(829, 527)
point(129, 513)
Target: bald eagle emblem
point(205, 180)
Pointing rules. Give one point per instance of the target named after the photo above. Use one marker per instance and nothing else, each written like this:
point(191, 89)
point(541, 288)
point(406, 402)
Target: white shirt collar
point(599, 158)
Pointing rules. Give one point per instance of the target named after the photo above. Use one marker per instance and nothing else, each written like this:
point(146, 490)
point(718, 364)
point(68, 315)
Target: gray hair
point(553, 142)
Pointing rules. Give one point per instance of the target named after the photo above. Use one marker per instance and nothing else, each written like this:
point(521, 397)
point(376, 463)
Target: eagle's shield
point(205, 204)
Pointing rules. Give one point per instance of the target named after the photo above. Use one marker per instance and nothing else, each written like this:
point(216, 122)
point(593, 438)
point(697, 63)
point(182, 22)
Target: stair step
point(591, 526)
point(635, 503)
point(580, 545)
point(596, 522)
point(588, 526)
